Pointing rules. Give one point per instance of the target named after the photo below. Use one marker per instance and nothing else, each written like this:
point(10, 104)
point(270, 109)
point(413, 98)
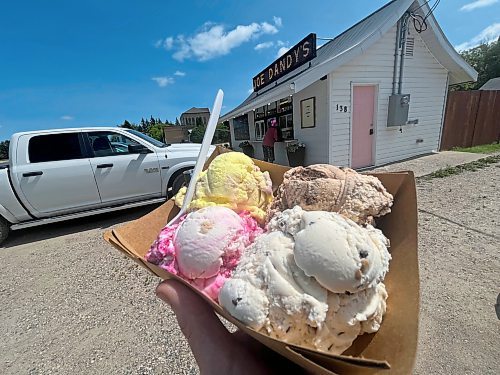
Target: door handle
point(371, 131)
point(31, 174)
point(104, 165)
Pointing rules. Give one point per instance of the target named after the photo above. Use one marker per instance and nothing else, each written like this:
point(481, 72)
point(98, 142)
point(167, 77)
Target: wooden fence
point(472, 118)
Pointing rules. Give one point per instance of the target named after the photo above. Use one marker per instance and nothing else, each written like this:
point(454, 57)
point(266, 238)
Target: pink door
point(363, 107)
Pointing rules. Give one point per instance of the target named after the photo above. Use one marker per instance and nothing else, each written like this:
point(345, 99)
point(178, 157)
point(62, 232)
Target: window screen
point(54, 147)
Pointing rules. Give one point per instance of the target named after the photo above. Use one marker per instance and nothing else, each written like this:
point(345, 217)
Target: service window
point(286, 126)
point(55, 147)
point(240, 128)
point(105, 143)
point(285, 105)
point(272, 108)
point(260, 113)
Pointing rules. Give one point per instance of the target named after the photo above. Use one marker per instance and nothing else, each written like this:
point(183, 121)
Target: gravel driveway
point(72, 304)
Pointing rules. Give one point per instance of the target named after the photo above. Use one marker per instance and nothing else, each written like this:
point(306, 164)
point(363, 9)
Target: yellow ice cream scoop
point(232, 180)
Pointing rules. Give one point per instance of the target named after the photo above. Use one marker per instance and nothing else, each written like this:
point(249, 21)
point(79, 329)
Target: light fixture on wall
point(292, 86)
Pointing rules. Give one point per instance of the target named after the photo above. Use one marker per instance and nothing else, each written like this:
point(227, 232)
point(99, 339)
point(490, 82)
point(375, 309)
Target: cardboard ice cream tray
point(390, 350)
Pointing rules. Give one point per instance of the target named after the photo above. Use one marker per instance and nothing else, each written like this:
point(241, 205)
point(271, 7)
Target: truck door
point(121, 173)
point(54, 176)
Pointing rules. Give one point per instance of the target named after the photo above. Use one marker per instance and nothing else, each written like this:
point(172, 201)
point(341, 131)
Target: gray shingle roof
point(196, 110)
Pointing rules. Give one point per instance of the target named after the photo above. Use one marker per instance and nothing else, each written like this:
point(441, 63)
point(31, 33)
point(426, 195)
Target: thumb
point(197, 321)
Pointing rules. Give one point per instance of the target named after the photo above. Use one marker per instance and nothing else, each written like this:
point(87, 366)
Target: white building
point(344, 92)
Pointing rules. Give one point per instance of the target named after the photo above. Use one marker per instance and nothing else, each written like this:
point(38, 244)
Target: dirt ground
point(72, 304)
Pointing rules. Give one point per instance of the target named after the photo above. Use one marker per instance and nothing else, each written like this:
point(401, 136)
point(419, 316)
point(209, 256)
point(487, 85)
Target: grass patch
point(472, 166)
point(483, 149)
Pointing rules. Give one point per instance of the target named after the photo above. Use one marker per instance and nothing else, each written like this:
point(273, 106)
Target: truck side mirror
point(137, 149)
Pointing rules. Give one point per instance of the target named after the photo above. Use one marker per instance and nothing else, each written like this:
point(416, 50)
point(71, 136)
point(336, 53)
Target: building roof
point(492, 84)
point(355, 41)
point(195, 110)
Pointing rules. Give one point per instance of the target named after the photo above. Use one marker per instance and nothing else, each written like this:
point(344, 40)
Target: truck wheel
point(4, 229)
point(176, 182)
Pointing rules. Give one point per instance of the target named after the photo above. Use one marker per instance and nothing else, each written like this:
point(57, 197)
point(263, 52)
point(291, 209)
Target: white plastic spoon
point(202, 156)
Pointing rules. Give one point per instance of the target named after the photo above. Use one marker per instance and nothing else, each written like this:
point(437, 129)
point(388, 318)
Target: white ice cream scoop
point(341, 255)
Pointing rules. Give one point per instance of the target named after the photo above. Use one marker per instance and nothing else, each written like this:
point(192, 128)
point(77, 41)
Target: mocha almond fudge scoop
point(323, 187)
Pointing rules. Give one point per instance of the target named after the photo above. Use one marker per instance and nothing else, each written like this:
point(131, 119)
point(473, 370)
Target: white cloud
point(267, 28)
point(477, 4)
point(67, 118)
point(264, 45)
point(282, 51)
point(488, 35)
point(214, 40)
point(277, 21)
point(163, 81)
point(250, 91)
point(166, 43)
point(179, 73)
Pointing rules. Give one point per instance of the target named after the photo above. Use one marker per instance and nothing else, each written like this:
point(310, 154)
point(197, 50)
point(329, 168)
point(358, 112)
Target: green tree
point(127, 125)
point(485, 58)
point(197, 134)
point(177, 123)
point(156, 131)
point(142, 126)
point(222, 133)
point(4, 150)
point(153, 128)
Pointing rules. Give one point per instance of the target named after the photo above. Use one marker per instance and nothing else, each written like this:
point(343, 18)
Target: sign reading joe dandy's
point(296, 56)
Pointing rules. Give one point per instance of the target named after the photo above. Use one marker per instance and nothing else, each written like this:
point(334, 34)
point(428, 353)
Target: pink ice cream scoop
point(204, 246)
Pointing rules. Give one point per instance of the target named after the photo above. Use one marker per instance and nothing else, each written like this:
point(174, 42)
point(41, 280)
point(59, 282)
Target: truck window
point(105, 143)
point(54, 147)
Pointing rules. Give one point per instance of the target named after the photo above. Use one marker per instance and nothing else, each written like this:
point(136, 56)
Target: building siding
point(423, 78)
point(315, 139)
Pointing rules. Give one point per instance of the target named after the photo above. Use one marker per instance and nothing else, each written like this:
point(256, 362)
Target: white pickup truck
point(56, 175)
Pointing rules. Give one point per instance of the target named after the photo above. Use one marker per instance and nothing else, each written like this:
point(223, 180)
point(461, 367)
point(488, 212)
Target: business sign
point(296, 56)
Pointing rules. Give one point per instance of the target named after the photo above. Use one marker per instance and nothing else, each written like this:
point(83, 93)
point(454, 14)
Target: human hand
point(216, 350)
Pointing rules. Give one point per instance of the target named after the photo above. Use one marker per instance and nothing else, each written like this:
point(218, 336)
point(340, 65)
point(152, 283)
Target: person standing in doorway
point(268, 142)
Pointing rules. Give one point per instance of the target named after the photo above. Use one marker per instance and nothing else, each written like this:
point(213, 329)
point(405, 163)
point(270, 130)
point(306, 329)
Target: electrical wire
point(420, 22)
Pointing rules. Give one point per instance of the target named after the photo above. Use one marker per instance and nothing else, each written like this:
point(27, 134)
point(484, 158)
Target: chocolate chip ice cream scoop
point(324, 187)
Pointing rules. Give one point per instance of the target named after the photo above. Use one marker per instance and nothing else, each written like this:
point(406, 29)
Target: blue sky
point(66, 63)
